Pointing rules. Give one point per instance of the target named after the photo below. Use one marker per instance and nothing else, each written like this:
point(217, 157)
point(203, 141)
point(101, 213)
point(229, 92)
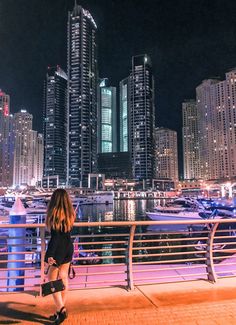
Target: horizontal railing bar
point(224, 250)
point(225, 243)
point(170, 254)
point(152, 233)
point(131, 223)
point(221, 237)
point(100, 250)
point(16, 261)
point(170, 276)
point(168, 247)
point(20, 286)
point(98, 235)
point(173, 261)
point(221, 257)
point(25, 245)
point(98, 257)
point(102, 281)
point(20, 277)
point(23, 252)
point(97, 265)
point(102, 242)
point(102, 273)
point(17, 268)
point(169, 239)
point(169, 268)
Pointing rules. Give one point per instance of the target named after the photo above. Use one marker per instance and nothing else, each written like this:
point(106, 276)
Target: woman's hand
point(51, 261)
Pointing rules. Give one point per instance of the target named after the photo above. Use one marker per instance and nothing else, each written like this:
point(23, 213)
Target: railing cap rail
point(129, 223)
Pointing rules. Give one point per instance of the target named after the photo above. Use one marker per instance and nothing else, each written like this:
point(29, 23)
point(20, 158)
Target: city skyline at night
point(178, 58)
point(186, 46)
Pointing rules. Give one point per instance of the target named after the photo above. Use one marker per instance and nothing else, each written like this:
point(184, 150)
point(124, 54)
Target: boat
point(179, 209)
point(101, 197)
point(176, 214)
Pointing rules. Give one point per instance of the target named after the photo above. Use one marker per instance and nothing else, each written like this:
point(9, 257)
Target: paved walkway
point(197, 302)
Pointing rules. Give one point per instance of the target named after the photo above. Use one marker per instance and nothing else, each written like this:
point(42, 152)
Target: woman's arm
point(52, 246)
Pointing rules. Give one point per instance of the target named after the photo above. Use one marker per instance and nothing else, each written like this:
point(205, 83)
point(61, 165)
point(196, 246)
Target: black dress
point(60, 247)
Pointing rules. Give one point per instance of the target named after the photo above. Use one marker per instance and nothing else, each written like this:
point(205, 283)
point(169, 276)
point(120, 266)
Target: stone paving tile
point(149, 306)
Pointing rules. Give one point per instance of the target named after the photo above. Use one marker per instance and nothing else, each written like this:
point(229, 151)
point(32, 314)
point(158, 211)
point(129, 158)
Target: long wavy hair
point(60, 212)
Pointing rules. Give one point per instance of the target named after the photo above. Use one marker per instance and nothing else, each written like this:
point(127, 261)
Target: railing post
point(211, 274)
point(43, 248)
point(130, 278)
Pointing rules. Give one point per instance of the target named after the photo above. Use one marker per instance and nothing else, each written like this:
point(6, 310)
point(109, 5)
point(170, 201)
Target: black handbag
point(50, 287)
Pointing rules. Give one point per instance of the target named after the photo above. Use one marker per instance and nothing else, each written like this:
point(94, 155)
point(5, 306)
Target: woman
point(59, 221)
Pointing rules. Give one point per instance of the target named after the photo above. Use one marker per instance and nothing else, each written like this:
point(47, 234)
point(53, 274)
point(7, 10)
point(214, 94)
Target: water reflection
point(123, 210)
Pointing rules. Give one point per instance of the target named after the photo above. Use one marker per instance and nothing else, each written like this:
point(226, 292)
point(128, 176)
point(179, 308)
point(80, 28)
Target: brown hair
point(60, 212)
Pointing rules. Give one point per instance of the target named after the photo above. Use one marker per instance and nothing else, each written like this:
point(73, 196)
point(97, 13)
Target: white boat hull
point(158, 216)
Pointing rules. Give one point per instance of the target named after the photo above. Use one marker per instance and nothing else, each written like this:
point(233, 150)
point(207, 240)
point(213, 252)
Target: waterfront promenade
point(196, 302)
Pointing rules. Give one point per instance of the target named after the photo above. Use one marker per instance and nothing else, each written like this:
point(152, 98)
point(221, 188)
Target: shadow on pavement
point(10, 310)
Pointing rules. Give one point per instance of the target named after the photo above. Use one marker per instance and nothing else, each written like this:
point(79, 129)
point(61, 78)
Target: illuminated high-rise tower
point(216, 107)
point(142, 117)
point(190, 133)
point(166, 154)
point(82, 96)
point(6, 141)
point(55, 124)
point(28, 151)
point(107, 119)
point(124, 115)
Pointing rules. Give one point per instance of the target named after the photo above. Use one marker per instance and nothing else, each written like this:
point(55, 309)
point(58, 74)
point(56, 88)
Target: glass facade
point(124, 115)
point(82, 96)
point(107, 121)
point(142, 117)
point(6, 141)
point(55, 124)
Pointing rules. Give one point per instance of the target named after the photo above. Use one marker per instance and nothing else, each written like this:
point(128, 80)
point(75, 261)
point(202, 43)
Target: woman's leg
point(64, 268)
point(57, 296)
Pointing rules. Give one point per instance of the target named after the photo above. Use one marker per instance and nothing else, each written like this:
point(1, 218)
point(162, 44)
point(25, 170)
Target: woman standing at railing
point(59, 221)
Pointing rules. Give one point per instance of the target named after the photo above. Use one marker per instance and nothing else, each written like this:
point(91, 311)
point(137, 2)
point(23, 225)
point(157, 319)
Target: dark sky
point(188, 41)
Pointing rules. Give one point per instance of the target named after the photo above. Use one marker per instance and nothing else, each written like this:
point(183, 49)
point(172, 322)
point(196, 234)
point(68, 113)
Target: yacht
point(179, 209)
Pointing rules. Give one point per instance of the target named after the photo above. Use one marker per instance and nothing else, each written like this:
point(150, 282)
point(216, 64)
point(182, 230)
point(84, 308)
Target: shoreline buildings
point(209, 130)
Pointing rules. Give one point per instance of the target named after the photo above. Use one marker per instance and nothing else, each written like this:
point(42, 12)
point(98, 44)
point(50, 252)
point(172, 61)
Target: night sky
point(187, 40)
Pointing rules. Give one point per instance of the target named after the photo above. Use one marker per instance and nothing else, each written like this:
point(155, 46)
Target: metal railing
point(123, 253)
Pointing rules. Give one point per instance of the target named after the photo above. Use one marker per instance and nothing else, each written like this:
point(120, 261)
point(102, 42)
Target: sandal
point(53, 317)
point(61, 316)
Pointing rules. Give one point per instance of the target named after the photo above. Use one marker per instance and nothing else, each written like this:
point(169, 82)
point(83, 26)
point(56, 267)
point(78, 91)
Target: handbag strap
point(71, 272)
point(47, 270)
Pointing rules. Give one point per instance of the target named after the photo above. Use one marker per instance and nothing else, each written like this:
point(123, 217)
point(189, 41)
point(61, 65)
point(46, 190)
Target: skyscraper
point(206, 124)
point(28, 151)
point(190, 135)
point(166, 154)
point(142, 117)
point(82, 96)
point(6, 141)
point(216, 106)
point(107, 118)
point(124, 117)
point(55, 124)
